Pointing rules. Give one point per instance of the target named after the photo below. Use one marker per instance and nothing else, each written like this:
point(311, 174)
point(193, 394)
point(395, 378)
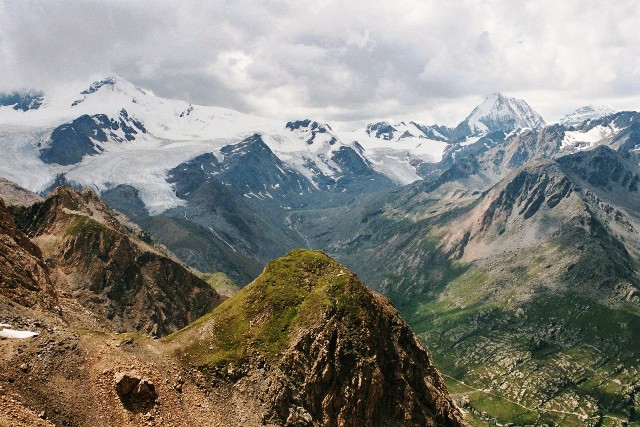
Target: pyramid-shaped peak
point(499, 112)
point(498, 104)
point(310, 315)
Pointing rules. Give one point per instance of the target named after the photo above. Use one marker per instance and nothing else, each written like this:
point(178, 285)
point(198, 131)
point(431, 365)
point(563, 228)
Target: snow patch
point(6, 332)
point(580, 140)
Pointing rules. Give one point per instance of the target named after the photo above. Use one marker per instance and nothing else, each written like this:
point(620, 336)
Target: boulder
point(133, 389)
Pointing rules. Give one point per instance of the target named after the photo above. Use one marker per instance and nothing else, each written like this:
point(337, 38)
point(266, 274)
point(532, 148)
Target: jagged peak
point(312, 131)
point(308, 124)
point(497, 105)
point(65, 201)
point(499, 112)
point(67, 194)
point(381, 129)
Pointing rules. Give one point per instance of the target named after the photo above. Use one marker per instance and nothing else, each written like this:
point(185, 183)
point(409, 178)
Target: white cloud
point(232, 69)
point(335, 60)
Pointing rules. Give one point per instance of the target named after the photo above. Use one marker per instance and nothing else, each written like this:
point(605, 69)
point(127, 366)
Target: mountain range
point(509, 245)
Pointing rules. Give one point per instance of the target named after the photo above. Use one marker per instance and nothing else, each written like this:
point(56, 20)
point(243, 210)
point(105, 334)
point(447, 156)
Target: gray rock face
point(70, 142)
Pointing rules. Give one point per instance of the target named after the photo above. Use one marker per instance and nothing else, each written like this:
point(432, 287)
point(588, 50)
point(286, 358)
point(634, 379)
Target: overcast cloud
point(338, 61)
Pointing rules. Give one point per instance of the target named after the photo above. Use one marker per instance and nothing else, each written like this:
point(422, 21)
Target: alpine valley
point(510, 246)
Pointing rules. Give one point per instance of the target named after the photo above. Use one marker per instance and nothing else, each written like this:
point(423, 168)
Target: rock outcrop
point(135, 391)
point(119, 278)
point(24, 277)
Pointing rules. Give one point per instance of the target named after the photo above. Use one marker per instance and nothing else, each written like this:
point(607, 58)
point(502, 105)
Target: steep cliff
point(24, 277)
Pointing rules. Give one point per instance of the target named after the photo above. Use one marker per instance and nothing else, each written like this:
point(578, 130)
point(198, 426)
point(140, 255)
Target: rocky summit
point(318, 348)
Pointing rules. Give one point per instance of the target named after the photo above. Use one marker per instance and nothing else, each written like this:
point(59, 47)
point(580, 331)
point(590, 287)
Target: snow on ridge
point(395, 158)
point(178, 131)
point(586, 140)
point(171, 139)
point(587, 112)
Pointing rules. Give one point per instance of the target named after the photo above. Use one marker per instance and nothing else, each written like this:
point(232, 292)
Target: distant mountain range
point(510, 245)
point(111, 133)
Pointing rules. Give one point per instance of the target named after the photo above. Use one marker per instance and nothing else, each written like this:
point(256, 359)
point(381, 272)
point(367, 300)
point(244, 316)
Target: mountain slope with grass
point(329, 351)
point(306, 344)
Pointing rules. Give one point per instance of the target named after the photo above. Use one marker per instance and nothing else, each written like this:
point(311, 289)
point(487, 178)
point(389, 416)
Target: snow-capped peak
point(588, 112)
point(386, 131)
point(111, 86)
point(499, 112)
point(311, 131)
point(115, 83)
point(109, 132)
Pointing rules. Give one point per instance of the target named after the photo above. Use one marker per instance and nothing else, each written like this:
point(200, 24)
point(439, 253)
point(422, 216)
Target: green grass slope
point(307, 336)
point(292, 293)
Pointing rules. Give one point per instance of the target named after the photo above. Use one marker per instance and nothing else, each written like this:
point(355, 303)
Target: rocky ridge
point(526, 290)
point(96, 261)
point(24, 276)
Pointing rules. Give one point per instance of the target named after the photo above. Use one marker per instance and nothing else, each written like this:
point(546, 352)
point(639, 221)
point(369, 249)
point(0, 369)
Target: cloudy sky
point(338, 61)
